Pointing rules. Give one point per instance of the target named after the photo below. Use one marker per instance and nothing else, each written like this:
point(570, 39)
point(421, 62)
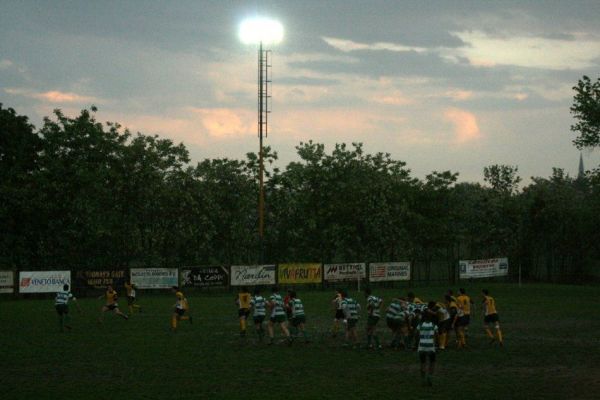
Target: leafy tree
point(586, 110)
point(502, 178)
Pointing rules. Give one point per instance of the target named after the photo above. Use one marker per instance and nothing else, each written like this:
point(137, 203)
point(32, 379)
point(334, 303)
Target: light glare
point(261, 30)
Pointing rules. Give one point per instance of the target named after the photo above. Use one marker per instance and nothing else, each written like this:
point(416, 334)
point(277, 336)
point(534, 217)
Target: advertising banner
point(483, 268)
point(154, 278)
point(100, 279)
point(7, 282)
point(249, 275)
point(344, 272)
point(390, 271)
point(43, 281)
point(204, 277)
point(299, 273)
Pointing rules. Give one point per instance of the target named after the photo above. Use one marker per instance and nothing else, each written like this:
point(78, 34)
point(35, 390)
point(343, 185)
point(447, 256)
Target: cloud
point(53, 96)
point(465, 124)
point(349, 45)
point(5, 64)
point(225, 122)
point(485, 50)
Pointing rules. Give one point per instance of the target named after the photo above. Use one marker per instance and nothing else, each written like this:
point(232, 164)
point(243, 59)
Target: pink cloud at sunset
point(226, 122)
point(465, 124)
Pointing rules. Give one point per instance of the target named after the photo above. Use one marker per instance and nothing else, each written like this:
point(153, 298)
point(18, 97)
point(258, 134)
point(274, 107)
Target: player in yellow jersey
point(180, 309)
point(464, 303)
point(411, 298)
point(111, 304)
point(131, 293)
point(243, 302)
point(491, 318)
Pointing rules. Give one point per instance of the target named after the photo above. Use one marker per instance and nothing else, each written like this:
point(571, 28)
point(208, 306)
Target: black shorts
point(111, 307)
point(490, 319)
point(179, 311)
point(258, 319)
point(423, 355)
point(339, 314)
point(444, 326)
point(243, 312)
point(463, 321)
point(62, 309)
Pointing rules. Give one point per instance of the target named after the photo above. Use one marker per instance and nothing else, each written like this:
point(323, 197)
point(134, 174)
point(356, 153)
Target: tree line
point(80, 194)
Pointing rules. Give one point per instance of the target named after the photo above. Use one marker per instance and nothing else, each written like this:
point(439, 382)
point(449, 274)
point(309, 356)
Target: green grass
point(551, 333)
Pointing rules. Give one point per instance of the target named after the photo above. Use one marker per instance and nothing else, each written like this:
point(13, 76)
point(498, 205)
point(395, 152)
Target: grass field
point(552, 351)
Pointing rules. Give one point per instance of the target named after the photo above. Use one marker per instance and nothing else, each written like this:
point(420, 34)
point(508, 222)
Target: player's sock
point(442, 341)
point(499, 332)
point(242, 325)
point(173, 322)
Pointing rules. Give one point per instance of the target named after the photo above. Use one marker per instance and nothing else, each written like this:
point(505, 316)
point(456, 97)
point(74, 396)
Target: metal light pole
point(260, 31)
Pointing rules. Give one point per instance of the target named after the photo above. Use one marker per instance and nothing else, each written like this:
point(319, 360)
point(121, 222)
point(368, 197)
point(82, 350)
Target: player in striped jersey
point(258, 304)
point(339, 312)
point(278, 315)
point(61, 304)
point(374, 304)
point(298, 315)
point(393, 318)
point(427, 331)
point(243, 302)
point(351, 310)
point(491, 317)
point(111, 303)
point(131, 293)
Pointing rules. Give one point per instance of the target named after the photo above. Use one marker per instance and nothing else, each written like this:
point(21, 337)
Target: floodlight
point(261, 30)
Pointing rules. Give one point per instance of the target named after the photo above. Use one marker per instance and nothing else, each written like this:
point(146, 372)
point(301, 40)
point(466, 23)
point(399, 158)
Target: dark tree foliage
point(79, 194)
point(586, 110)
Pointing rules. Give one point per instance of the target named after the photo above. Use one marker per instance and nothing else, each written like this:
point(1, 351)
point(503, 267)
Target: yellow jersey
point(489, 305)
point(464, 302)
point(243, 300)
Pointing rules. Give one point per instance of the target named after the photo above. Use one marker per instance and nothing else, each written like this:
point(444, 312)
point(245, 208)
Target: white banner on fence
point(7, 282)
point(154, 278)
point(389, 271)
point(344, 272)
point(43, 281)
point(247, 275)
point(483, 268)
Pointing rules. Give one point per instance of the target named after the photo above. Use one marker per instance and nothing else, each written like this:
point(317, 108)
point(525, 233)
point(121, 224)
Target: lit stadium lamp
point(262, 31)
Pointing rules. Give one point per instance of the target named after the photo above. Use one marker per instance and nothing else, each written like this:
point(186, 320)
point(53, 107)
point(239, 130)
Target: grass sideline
point(551, 333)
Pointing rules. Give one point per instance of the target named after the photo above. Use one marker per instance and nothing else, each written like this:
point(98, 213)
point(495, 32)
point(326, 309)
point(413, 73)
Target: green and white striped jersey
point(394, 310)
point(259, 306)
point(351, 308)
point(297, 308)
point(374, 305)
point(427, 331)
point(63, 297)
point(277, 302)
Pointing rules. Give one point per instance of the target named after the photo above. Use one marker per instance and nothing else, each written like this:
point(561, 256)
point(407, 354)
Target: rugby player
point(339, 312)
point(427, 331)
point(298, 315)
point(243, 302)
point(131, 293)
point(491, 318)
point(61, 304)
point(258, 304)
point(374, 304)
point(351, 310)
point(180, 308)
point(110, 304)
point(278, 315)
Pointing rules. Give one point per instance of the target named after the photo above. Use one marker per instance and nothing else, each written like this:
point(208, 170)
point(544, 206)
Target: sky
point(440, 85)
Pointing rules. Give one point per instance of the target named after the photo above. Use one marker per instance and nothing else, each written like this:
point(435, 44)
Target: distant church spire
point(581, 173)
